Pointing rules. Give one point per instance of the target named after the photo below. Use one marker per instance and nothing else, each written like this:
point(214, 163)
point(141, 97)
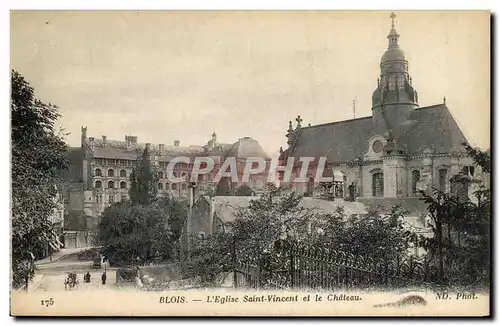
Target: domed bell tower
point(395, 97)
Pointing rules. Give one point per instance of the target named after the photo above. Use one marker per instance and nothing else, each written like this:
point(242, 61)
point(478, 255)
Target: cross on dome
point(299, 120)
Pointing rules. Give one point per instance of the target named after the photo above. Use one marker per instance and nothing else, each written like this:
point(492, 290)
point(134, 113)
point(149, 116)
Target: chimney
point(177, 143)
point(83, 136)
point(161, 148)
point(91, 143)
point(148, 146)
point(129, 141)
point(103, 141)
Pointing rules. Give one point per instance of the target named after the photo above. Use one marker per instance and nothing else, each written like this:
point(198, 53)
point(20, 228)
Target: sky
point(179, 75)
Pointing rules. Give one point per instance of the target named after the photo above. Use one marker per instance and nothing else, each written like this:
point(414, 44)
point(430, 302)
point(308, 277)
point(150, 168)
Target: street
point(50, 276)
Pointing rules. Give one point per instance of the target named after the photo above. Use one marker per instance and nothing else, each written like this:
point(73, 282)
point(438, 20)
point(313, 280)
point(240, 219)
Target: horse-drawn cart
point(71, 281)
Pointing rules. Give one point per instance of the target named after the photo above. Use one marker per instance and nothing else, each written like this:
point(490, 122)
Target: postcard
point(250, 163)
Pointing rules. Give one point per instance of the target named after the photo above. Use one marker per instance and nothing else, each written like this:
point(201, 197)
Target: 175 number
point(47, 303)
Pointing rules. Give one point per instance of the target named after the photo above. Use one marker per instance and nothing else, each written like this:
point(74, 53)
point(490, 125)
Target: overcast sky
point(164, 76)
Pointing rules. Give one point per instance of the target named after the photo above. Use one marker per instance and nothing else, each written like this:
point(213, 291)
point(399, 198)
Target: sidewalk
point(60, 254)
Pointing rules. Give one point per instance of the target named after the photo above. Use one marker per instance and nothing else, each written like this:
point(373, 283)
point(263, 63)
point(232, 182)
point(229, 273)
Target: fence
point(302, 267)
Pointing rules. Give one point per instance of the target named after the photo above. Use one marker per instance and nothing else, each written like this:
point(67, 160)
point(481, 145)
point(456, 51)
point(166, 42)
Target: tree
point(176, 212)
point(483, 159)
point(369, 235)
point(275, 221)
point(223, 188)
point(135, 234)
point(143, 181)
point(460, 246)
point(244, 190)
point(145, 229)
point(38, 158)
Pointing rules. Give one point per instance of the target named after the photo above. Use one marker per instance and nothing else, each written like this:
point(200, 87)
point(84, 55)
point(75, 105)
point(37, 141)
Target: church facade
point(401, 149)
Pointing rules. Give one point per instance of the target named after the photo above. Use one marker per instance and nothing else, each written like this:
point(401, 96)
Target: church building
point(391, 155)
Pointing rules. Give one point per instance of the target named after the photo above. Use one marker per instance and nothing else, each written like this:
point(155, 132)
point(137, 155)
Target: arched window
point(98, 172)
point(98, 184)
point(111, 184)
point(443, 180)
point(123, 173)
point(123, 185)
point(111, 173)
point(160, 186)
point(174, 186)
point(184, 186)
point(378, 184)
point(415, 177)
point(167, 186)
point(160, 175)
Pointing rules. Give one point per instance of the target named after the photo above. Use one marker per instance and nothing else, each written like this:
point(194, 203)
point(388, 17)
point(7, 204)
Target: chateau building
point(389, 156)
point(99, 174)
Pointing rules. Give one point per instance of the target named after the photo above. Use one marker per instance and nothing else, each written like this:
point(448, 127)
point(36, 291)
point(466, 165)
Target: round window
point(377, 146)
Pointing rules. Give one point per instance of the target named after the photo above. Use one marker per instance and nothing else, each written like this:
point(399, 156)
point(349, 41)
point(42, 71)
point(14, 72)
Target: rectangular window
point(111, 199)
point(401, 82)
point(378, 184)
point(392, 82)
point(123, 198)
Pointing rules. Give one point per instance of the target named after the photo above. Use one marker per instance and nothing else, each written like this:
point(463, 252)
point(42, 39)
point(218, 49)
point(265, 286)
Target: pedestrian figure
point(103, 278)
point(87, 277)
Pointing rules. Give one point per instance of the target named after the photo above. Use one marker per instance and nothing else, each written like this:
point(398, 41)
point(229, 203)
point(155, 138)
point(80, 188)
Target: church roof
point(393, 54)
point(338, 141)
point(430, 127)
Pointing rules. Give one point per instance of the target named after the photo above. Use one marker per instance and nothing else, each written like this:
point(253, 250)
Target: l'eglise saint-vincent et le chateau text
point(222, 299)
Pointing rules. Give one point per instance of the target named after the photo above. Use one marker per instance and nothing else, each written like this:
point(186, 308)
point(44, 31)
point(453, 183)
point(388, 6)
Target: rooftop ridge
point(337, 122)
point(434, 106)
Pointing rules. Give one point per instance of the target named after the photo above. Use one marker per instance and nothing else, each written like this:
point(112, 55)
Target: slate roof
point(345, 141)
point(247, 147)
point(116, 149)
